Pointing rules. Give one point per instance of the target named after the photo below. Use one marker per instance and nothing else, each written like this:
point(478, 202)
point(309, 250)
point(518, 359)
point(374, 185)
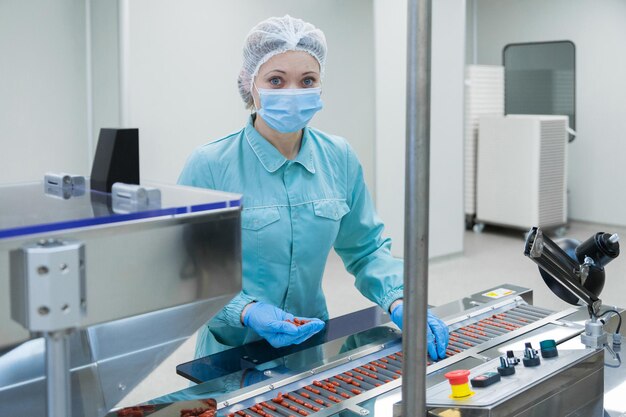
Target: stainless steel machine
point(506, 357)
point(96, 289)
point(360, 374)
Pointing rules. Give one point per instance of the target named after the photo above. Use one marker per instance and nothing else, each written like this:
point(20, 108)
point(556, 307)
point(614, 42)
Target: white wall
point(184, 61)
point(105, 66)
point(597, 182)
point(43, 119)
point(184, 58)
point(446, 159)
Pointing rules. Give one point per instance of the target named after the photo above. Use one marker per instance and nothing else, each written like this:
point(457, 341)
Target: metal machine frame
point(94, 274)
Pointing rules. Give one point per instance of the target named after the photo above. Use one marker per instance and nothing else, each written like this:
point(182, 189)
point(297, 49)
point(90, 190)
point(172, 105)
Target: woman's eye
point(275, 81)
point(308, 82)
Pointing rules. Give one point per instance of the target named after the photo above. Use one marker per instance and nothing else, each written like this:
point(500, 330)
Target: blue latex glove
point(271, 323)
point(437, 332)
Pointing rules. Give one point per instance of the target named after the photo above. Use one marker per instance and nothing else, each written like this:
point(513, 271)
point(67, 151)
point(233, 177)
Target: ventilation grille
point(484, 95)
point(552, 169)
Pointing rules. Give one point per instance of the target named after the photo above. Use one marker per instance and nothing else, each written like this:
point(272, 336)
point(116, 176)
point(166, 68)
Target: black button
point(486, 379)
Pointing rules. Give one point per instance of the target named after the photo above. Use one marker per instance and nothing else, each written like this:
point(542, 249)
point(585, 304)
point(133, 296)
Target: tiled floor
point(491, 258)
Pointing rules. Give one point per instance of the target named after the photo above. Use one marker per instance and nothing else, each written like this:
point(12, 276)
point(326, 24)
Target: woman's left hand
point(437, 332)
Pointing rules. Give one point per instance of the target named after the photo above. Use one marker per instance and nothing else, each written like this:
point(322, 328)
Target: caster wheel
point(478, 227)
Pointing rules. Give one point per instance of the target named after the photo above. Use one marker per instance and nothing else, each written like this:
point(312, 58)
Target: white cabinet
point(522, 171)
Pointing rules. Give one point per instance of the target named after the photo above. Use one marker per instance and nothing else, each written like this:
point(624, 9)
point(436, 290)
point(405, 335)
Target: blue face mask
point(289, 109)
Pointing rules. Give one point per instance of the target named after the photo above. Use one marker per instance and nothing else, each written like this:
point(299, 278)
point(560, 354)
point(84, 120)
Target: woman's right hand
point(278, 327)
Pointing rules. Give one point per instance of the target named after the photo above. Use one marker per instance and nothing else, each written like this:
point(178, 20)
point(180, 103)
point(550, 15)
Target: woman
point(303, 193)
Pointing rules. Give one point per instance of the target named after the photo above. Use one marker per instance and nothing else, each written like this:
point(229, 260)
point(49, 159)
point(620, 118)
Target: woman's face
point(291, 69)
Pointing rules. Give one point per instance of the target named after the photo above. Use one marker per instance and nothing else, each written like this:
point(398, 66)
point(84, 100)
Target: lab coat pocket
point(330, 209)
point(260, 228)
point(258, 218)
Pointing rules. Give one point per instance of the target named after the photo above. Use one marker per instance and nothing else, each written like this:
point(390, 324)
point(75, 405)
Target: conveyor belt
point(321, 394)
point(496, 325)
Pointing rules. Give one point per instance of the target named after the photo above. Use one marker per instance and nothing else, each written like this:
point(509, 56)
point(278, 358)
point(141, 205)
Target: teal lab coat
point(294, 212)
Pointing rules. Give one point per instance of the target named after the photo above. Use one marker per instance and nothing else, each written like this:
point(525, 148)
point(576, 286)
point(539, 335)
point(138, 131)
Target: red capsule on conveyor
point(268, 406)
point(313, 390)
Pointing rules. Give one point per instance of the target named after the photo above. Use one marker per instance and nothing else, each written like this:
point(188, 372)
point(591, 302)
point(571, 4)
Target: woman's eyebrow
point(275, 70)
point(310, 72)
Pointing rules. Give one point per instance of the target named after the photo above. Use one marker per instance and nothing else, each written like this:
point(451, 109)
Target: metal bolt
point(363, 412)
point(43, 311)
point(226, 404)
point(121, 387)
point(349, 358)
point(45, 243)
point(271, 386)
point(42, 270)
point(64, 267)
point(382, 347)
point(267, 373)
point(312, 372)
point(65, 309)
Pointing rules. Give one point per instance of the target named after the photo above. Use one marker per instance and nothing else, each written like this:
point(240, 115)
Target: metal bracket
point(48, 285)
point(48, 295)
point(129, 198)
point(64, 185)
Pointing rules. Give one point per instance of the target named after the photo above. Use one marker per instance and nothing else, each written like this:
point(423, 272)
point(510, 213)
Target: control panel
point(503, 377)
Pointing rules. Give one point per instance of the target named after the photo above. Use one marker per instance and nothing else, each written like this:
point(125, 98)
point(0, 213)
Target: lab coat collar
point(271, 158)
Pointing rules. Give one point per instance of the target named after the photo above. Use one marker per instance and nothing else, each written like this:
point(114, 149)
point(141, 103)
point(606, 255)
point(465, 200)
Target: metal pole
point(416, 205)
point(58, 374)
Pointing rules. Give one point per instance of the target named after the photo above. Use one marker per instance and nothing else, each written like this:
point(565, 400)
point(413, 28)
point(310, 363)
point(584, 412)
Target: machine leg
point(58, 374)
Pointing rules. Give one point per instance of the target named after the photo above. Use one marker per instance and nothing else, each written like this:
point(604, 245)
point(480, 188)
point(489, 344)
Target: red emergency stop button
point(459, 382)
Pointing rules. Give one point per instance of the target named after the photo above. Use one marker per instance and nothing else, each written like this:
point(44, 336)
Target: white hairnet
point(275, 36)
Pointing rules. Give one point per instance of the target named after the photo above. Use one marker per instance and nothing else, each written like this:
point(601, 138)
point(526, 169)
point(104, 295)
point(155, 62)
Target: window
point(540, 78)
